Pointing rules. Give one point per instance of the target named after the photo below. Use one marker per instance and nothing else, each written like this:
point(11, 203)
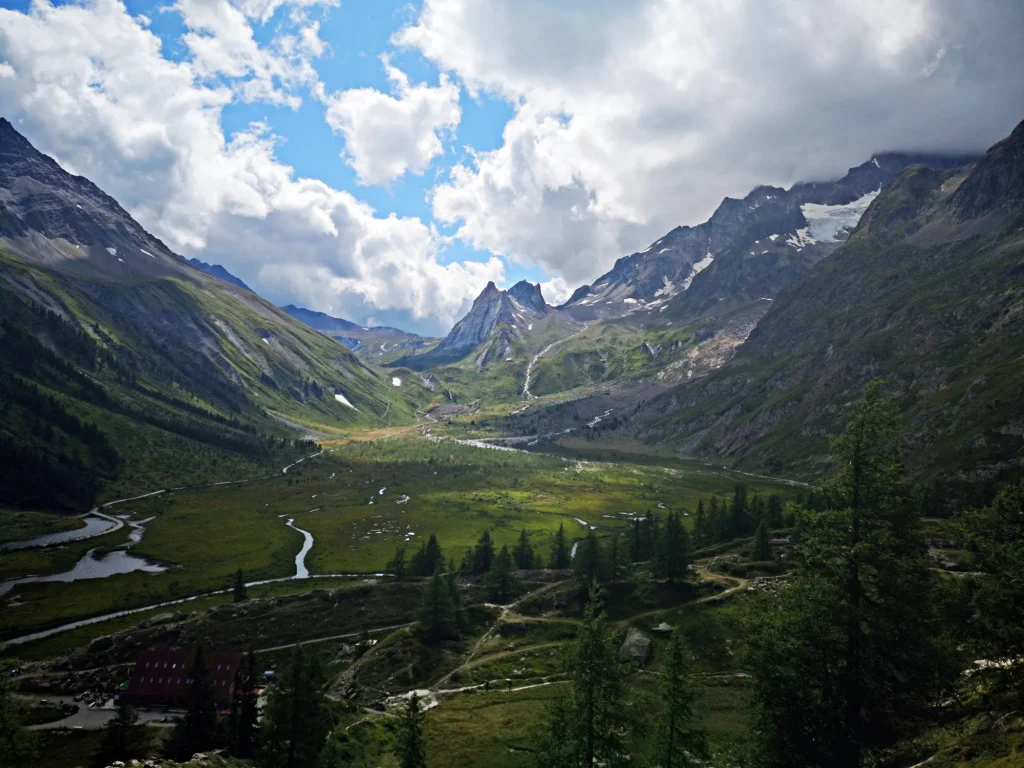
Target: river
point(95, 525)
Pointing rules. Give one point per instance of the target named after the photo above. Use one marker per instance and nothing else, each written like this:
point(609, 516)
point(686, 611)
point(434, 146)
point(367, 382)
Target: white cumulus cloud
point(389, 135)
point(634, 117)
point(88, 84)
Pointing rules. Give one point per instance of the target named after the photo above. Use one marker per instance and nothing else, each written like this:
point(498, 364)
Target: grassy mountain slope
point(928, 294)
point(125, 367)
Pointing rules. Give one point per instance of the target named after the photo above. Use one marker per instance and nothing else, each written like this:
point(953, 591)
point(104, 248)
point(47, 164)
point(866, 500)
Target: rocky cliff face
point(529, 295)
point(748, 249)
point(928, 294)
point(496, 320)
point(52, 218)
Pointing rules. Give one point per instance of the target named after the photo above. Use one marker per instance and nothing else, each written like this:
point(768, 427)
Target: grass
point(455, 491)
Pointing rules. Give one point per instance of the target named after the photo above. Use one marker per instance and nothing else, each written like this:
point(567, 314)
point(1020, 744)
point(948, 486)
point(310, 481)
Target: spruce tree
point(18, 745)
point(614, 560)
point(455, 599)
point(437, 617)
point(995, 538)
point(560, 558)
point(589, 563)
point(197, 732)
point(483, 553)
point(122, 740)
point(500, 579)
point(700, 526)
point(239, 592)
point(673, 555)
point(412, 753)
point(396, 565)
point(762, 542)
point(590, 721)
point(296, 721)
point(774, 511)
point(852, 656)
point(247, 724)
point(523, 553)
point(739, 513)
point(680, 743)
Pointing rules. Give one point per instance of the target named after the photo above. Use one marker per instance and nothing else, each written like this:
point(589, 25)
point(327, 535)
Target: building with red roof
point(162, 678)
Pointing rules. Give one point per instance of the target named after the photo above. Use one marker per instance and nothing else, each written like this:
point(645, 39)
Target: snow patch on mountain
point(825, 222)
point(344, 400)
point(697, 268)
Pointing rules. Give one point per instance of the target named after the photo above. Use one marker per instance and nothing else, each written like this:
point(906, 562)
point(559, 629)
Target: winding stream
point(93, 566)
point(95, 525)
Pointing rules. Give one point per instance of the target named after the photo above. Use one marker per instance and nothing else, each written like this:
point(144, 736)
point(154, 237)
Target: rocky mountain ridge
point(928, 294)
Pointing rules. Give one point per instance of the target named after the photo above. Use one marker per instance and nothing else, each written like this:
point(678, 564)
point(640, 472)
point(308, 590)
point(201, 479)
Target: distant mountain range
point(377, 344)
point(216, 270)
point(676, 310)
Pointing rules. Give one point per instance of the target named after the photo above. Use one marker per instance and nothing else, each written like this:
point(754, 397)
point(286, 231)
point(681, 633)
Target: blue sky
point(383, 160)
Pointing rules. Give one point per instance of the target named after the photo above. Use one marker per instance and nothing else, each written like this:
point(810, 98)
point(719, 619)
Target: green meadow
point(454, 491)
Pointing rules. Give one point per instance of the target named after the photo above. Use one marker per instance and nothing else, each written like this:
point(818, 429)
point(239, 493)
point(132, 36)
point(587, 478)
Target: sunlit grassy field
point(455, 491)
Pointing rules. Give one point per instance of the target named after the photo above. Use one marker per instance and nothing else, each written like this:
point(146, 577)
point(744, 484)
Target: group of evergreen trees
point(727, 519)
point(593, 722)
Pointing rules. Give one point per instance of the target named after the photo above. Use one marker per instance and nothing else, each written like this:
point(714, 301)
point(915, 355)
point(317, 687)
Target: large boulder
point(636, 647)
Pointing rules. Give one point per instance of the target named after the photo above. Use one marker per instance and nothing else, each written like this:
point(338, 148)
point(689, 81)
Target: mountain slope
point(928, 294)
point(180, 371)
point(378, 344)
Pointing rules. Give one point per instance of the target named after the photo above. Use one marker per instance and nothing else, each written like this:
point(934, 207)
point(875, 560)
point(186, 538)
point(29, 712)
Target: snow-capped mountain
point(794, 228)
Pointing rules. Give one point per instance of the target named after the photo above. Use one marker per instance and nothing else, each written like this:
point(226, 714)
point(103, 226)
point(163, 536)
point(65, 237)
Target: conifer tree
point(523, 553)
point(483, 553)
point(455, 598)
point(396, 565)
point(239, 592)
point(296, 721)
point(247, 724)
point(437, 618)
point(739, 513)
point(680, 743)
point(762, 542)
point(412, 752)
point(700, 526)
point(995, 538)
point(197, 732)
point(589, 563)
point(590, 722)
point(18, 745)
point(674, 549)
point(852, 655)
point(560, 550)
point(774, 511)
point(122, 740)
point(614, 560)
point(500, 579)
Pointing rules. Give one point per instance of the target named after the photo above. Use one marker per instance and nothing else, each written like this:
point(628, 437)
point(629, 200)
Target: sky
point(382, 161)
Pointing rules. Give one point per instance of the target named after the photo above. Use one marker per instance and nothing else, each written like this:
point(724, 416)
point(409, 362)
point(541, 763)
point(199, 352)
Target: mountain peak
point(528, 295)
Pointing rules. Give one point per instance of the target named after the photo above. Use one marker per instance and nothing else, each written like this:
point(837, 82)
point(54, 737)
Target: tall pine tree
point(560, 550)
point(851, 657)
point(412, 754)
point(296, 721)
point(197, 731)
point(590, 723)
point(680, 742)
